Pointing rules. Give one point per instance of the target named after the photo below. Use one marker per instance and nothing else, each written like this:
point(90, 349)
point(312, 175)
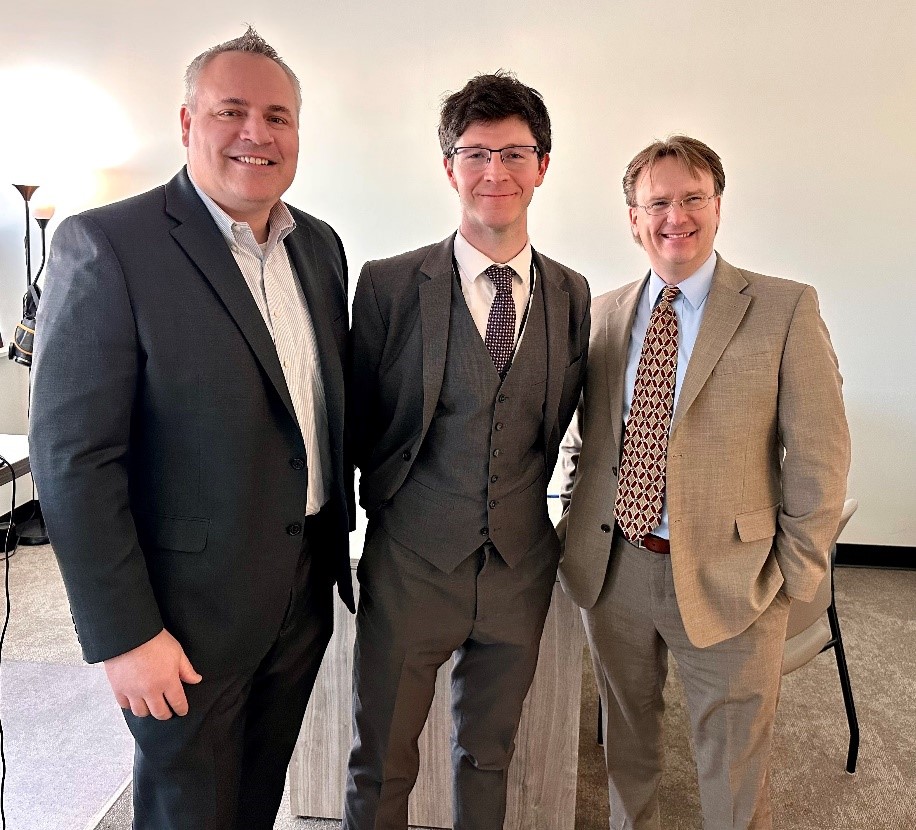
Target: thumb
point(186, 672)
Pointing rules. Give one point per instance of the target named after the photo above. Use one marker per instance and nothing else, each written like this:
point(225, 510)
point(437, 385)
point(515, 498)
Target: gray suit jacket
point(399, 338)
point(164, 442)
point(757, 456)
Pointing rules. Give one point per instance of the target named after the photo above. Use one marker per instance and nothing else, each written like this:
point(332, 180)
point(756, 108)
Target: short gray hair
point(250, 42)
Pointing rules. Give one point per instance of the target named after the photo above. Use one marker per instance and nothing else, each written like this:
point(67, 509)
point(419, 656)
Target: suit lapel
point(436, 274)
point(618, 326)
point(202, 241)
point(556, 314)
point(301, 248)
point(725, 309)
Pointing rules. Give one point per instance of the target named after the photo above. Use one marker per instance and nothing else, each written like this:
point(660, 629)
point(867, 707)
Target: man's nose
point(676, 213)
point(495, 169)
point(256, 130)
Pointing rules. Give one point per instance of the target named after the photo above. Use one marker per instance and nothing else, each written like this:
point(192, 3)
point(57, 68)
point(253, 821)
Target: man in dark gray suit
point(467, 361)
point(187, 443)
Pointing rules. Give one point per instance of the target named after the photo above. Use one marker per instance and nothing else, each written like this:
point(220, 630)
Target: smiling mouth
point(678, 235)
point(256, 161)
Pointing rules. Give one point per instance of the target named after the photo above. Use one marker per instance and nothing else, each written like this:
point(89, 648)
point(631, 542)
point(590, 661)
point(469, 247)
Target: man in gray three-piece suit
point(468, 357)
point(187, 442)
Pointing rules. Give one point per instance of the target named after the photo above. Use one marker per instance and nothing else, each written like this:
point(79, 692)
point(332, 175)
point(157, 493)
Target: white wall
point(809, 103)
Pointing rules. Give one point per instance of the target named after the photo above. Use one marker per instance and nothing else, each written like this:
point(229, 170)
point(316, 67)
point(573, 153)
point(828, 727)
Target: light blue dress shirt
point(689, 306)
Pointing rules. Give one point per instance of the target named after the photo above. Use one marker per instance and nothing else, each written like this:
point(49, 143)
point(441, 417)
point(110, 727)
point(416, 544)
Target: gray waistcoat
point(480, 472)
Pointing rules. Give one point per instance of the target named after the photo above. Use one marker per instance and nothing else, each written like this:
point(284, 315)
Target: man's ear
point(185, 115)
point(542, 169)
point(447, 164)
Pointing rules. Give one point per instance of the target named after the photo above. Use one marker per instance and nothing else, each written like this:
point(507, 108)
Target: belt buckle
point(640, 543)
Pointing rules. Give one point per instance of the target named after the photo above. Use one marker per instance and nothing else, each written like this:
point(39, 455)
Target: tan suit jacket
point(757, 457)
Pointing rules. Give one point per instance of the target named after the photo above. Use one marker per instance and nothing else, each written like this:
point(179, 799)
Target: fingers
point(186, 671)
point(158, 708)
point(177, 699)
point(138, 707)
point(148, 679)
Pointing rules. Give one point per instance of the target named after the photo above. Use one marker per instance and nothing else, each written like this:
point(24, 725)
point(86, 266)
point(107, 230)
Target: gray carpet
point(811, 790)
point(67, 751)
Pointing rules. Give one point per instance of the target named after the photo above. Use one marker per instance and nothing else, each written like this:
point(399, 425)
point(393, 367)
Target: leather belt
point(654, 543)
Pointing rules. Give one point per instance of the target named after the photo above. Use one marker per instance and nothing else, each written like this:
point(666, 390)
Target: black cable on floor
point(6, 621)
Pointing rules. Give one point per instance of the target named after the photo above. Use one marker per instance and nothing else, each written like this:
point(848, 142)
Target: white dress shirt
point(478, 288)
point(278, 295)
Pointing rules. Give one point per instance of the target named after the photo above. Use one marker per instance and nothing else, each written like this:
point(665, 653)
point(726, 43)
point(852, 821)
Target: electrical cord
point(6, 620)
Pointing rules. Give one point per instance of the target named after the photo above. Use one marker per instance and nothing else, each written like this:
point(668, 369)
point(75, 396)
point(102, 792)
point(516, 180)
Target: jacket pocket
point(184, 533)
point(758, 524)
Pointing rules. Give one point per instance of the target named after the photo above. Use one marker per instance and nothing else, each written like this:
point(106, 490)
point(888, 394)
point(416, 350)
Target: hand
point(148, 679)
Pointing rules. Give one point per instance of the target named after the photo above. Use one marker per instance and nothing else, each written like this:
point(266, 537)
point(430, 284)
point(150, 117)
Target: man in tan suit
point(705, 475)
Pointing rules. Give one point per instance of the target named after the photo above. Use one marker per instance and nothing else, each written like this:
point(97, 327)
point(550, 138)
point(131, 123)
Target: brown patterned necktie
point(641, 486)
point(500, 337)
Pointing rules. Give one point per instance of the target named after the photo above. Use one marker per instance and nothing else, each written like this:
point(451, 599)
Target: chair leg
point(845, 685)
point(600, 739)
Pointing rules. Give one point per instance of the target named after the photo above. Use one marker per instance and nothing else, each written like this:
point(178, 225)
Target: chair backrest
point(807, 632)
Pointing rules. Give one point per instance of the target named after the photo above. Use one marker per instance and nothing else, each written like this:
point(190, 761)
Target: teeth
point(677, 235)
point(253, 160)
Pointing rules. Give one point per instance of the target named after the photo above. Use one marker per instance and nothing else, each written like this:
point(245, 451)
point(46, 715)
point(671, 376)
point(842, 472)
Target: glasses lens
point(695, 202)
point(517, 156)
point(472, 158)
point(658, 207)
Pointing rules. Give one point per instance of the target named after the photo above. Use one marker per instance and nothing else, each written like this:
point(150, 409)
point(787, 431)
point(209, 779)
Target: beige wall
point(809, 103)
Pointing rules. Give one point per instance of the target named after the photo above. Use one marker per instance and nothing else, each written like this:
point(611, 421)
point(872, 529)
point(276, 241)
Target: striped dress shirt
point(277, 292)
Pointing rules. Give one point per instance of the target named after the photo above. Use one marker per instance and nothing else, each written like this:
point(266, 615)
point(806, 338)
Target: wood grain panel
point(542, 778)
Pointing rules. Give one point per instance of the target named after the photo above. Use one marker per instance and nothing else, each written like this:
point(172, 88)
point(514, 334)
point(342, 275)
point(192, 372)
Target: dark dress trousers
point(460, 556)
point(172, 474)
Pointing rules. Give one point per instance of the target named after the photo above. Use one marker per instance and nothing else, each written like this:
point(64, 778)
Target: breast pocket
point(749, 355)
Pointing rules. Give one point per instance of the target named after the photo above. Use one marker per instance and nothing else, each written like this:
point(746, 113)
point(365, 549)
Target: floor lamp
point(32, 531)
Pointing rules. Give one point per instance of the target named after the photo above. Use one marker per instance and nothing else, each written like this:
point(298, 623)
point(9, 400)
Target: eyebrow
point(697, 192)
point(241, 102)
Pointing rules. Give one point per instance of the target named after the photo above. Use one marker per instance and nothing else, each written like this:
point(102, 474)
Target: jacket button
point(501, 398)
point(606, 528)
point(294, 529)
point(492, 503)
point(484, 531)
point(494, 479)
point(496, 453)
point(406, 455)
point(499, 425)
point(614, 470)
point(297, 463)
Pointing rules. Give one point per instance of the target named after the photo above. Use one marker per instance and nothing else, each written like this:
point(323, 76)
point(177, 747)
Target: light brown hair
point(693, 154)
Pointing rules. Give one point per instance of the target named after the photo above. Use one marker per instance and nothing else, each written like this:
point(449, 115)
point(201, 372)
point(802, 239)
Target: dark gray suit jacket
point(164, 443)
point(398, 347)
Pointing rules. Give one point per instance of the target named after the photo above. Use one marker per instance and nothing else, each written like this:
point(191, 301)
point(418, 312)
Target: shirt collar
point(280, 223)
point(472, 263)
point(695, 288)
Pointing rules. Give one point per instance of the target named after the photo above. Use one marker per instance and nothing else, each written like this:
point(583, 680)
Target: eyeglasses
point(477, 158)
point(659, 207)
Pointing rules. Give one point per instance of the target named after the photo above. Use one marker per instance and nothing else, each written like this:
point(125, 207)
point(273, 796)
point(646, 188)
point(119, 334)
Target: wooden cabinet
point(542, 778)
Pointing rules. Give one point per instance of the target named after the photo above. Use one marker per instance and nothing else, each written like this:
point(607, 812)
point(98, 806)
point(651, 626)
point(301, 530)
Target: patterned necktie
point(500, 337)
point(641, 487)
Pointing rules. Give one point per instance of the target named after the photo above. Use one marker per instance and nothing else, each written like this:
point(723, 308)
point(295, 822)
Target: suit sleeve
point(571, 444)
point(814, 432)
point(84, 380)
point(367, 338)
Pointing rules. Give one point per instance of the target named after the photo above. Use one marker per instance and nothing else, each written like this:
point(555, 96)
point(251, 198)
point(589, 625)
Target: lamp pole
point(32, 531)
